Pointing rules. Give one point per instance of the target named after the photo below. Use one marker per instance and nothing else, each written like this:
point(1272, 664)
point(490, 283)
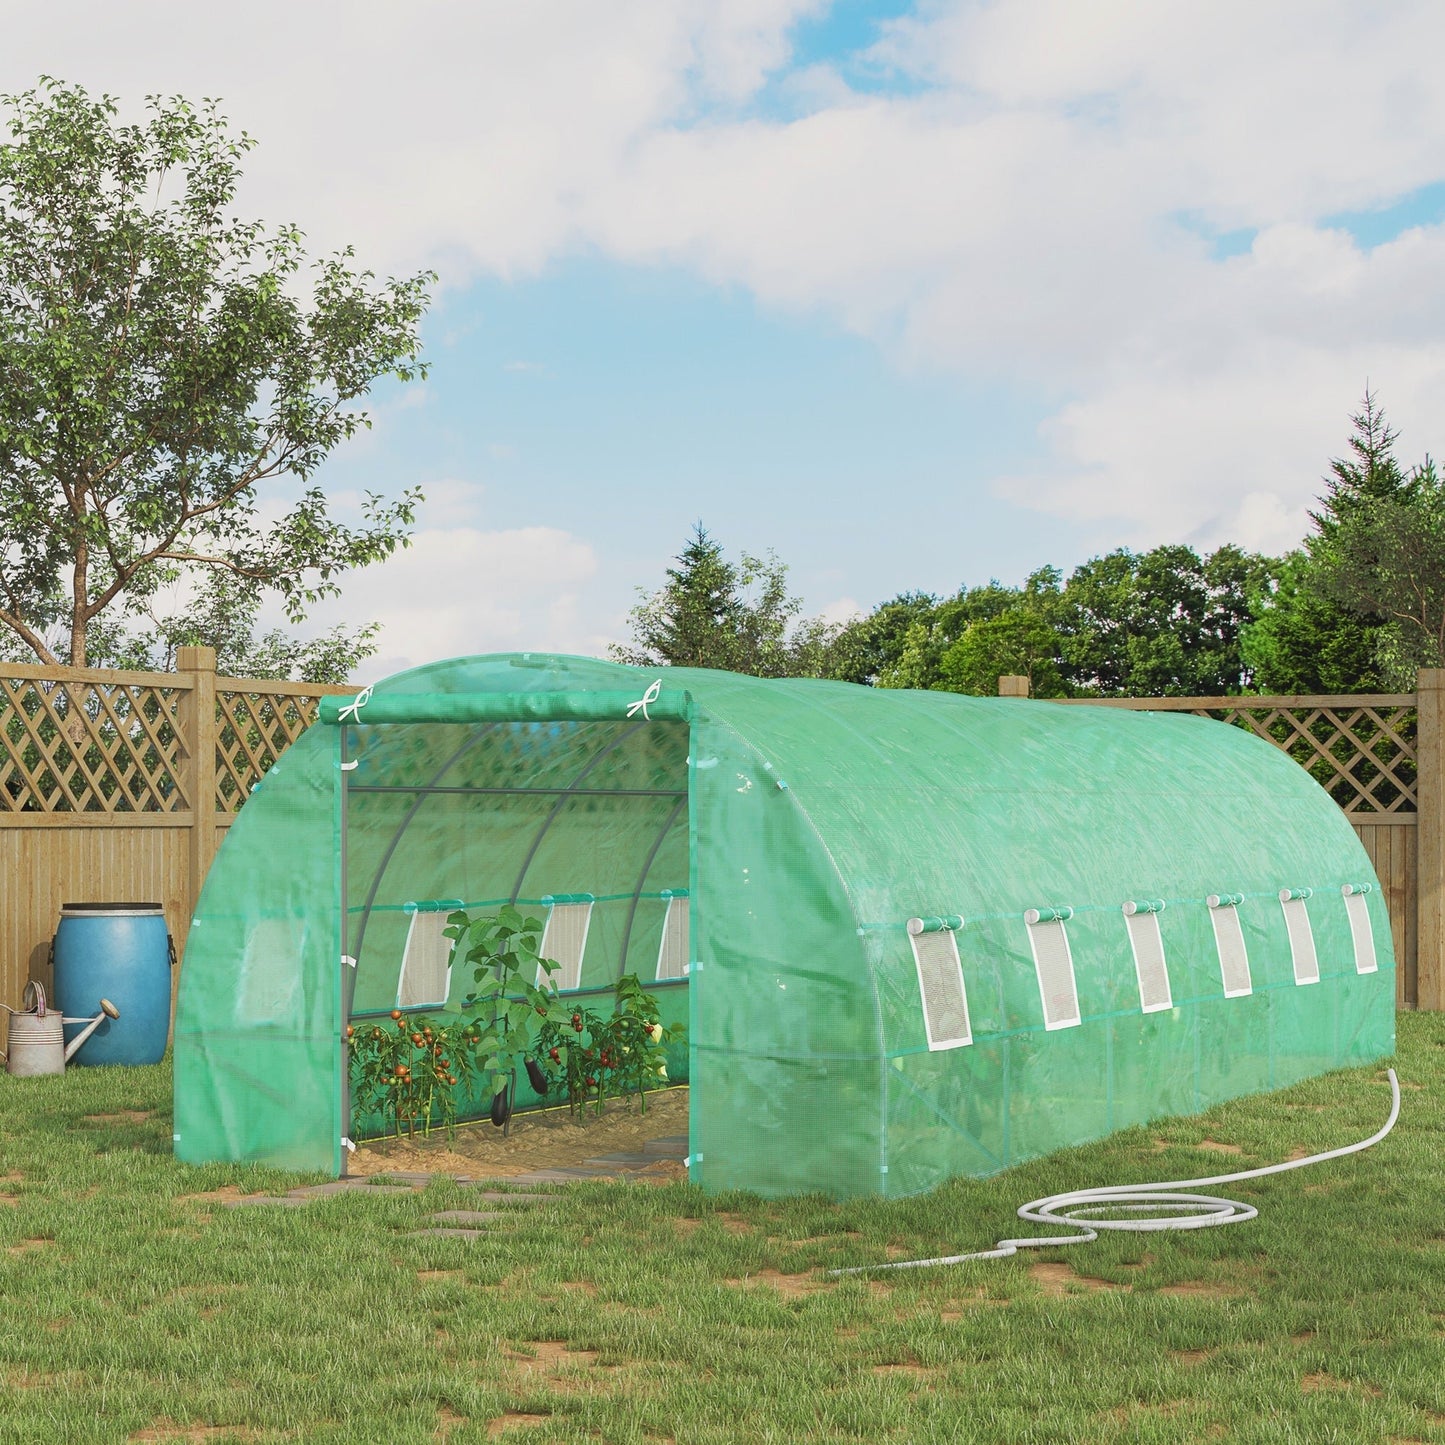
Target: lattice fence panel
point(89, 747)
point(253, 729)
point(1362, 755)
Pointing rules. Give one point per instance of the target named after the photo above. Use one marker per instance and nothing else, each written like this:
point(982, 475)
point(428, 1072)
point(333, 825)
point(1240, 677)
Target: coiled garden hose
point(1081, 1209)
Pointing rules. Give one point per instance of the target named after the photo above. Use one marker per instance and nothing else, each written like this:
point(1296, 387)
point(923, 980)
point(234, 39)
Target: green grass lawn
point(624, 1313)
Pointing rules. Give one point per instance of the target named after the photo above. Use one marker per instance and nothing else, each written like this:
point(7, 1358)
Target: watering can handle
point(33, 999)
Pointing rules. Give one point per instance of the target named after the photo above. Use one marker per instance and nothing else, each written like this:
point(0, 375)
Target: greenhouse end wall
point(258, 1073)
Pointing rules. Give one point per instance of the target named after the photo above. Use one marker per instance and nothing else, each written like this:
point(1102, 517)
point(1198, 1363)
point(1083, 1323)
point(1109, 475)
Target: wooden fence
point(1382, 758)
point(119, 786)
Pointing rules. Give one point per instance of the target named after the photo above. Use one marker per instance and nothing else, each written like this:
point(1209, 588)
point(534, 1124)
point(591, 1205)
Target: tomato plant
point(590, 1056)
point(407, 1069)
point(410, 1068)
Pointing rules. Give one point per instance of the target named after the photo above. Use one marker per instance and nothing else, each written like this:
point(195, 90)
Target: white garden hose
point(1192, 1211)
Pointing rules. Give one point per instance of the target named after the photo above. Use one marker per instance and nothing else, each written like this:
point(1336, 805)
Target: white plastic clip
point(351, 766)
point(353, 708)
point(650, 696)
point(348, 1145)
point(347, 959)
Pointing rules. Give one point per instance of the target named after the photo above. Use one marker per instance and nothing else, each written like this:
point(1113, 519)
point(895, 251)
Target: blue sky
point(914, 294)
point(625, 404)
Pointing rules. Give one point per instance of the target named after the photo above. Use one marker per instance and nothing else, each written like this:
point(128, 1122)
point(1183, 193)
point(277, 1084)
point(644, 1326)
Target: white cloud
point(841, 610)
point(1031, 205)
point(460, 590)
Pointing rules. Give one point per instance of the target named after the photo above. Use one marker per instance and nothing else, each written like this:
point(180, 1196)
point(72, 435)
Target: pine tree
point(735, 616)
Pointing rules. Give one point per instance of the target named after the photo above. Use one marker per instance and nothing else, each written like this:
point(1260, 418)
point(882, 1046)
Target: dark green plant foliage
point(588, 1057)
point(160, 379)
point(1167, 622)
point(506, 1007)
point(866, 650)
point(410, 1070)
point(1357, 609)
point(1385, 559)
point(1303, 642)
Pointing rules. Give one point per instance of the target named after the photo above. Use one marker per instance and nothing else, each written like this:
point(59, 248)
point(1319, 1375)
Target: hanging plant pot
point(536, 1077)
point(502, 1106)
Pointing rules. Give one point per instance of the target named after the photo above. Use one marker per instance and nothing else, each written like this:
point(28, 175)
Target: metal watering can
point(37, 1037)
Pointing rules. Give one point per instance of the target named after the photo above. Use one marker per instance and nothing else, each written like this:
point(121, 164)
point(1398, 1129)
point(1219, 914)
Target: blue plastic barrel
point(119, 951)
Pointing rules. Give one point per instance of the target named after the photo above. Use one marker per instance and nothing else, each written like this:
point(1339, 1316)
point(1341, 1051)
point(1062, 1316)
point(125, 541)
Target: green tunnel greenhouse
point(912, 935)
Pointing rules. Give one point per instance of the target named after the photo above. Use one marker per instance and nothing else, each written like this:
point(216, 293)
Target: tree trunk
point(78, 601)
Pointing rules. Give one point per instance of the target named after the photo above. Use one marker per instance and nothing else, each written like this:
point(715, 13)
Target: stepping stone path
point(471, 1223)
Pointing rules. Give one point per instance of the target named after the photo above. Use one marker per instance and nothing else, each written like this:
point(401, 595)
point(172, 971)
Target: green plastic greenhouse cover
point(923, 935)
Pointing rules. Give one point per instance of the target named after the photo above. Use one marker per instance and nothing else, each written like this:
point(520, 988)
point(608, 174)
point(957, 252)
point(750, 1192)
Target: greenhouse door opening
point(581, 825)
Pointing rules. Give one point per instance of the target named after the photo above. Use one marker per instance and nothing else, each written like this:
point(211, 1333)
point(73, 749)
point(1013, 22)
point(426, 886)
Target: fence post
point(1430, 837)
point(1012, 685)
point(198, 722)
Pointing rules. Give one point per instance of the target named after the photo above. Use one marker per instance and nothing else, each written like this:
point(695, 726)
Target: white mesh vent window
point(426, 972)
point(1142, 920)
point(271, 971)
point(1361, 934)
point(1229, 940)
point(564, 941)
point(672, 953)
point(1301, 935)
point(940, 983)
point(1054, 964)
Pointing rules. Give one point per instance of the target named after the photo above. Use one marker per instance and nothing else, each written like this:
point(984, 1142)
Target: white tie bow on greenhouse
point(646, 700)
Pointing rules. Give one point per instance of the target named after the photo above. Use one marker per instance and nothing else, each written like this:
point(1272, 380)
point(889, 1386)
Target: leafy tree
point(224, 617)
point(736, 616)
point(1020, 642)
point(866, 649)
point(163, 389)
point(1372, 475)
point(1162, 623)
point(931, 639)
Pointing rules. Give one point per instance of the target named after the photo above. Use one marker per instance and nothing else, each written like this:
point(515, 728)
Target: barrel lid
point(111, 910)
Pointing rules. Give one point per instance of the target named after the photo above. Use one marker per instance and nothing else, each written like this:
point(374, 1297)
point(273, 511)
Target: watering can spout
point(107, 1011)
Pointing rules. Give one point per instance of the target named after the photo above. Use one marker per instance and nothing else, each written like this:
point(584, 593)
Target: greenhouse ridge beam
point(444, 707)
point(522, 792)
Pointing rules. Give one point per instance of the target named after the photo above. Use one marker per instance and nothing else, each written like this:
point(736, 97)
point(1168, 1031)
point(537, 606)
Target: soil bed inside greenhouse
point(539, 1139)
